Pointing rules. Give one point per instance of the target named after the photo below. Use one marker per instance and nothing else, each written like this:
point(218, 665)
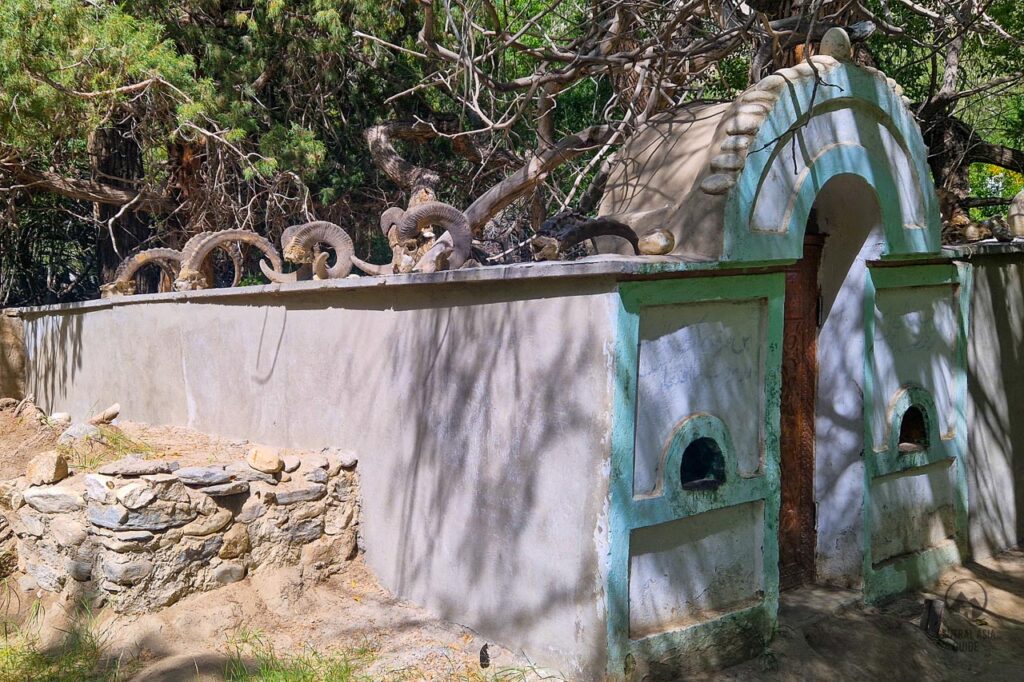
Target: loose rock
point(48, 467)
point(203, 476)
point(236, 542)
point(136, 466)
point(106, 416)
point(207, 525)
point(264, 459)
point(53, 499)
point(657, 242)
point(300, 493)
point(225, 489)
point(135, 495)
point(80, 433)
point(291, 463)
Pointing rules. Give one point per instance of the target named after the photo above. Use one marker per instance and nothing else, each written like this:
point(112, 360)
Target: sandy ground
point(349, 612)
point(834, 639)
point(979, 642)
point(189, 640)
point(21, 438)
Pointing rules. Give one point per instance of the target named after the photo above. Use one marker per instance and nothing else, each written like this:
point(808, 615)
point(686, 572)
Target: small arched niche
point(913, 434)
point(703, 465)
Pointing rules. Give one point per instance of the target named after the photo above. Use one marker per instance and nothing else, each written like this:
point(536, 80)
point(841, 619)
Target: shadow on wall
point(12, 358)
point(914, 343)
point(480, 415)
point(855, 235)
point(996, 392)
point(486, 412)
point(56, 352)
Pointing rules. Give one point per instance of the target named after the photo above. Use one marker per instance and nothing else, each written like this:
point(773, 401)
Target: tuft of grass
point(252, 658)
point(113, 445)
point(79, 657)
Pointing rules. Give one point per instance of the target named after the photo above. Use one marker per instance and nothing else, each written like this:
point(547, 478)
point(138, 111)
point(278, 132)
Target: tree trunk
point(116, 160)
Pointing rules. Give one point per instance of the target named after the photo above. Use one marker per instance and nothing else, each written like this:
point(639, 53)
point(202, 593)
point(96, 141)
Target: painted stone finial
point(1015, 216)
point(836, 43)
point(657, 242)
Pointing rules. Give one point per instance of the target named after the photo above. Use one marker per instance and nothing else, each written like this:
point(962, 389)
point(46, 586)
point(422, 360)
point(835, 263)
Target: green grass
point(81, 657)
point(78, 657)
point(253, 658)
point(90, 455)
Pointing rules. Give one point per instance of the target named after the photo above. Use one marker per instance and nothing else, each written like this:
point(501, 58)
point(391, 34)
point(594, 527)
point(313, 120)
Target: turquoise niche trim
point(674, 502)
point(860, 150)
point(754, 624)
point(893, 461)
point(923, 567)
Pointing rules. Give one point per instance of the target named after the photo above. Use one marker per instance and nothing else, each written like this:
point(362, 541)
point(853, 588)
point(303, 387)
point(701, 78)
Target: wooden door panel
point(799, 382)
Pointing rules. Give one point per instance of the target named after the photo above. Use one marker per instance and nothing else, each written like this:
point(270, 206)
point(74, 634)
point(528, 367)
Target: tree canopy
point(127, 125)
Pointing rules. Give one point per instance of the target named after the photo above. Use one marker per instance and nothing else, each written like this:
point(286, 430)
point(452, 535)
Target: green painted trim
point(912, 571)
point(966, 274)
point(628, 513)
point(871, 102)
point(868, 405)
point(891, 460)
point(671, 502)
point(919, 568)
point(914, 276)
point(701, 646)
point(670, 292)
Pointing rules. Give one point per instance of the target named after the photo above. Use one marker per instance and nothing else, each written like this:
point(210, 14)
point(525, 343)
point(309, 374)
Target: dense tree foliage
point(139, 123)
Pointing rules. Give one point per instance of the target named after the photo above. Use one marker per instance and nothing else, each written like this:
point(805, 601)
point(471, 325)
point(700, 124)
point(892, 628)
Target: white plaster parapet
point(987, 247)
point(594, 266)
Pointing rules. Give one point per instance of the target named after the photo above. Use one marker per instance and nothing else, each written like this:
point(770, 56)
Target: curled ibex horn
point(299, 241)
point(199, 248)
point(320, 269)
point(390, 218)
point(371, 268)
point(454, 221)
point(276, 276)
point(300, 247)
point(168, 260)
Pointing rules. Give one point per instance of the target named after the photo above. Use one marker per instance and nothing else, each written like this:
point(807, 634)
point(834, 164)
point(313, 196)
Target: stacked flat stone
point(145, 533)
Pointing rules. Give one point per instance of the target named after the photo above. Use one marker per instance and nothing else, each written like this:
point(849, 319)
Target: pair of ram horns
point(415, 246)
point(171, 263)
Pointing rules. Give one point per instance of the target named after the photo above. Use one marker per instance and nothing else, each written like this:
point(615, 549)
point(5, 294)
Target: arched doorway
point(821, 420)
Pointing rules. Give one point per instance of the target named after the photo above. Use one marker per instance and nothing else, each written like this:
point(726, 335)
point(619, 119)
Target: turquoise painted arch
point(852, 123)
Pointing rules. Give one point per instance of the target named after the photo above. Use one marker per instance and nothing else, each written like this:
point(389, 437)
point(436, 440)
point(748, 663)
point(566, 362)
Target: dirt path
point(348, 613)
point(351, 611)
point(983, 642)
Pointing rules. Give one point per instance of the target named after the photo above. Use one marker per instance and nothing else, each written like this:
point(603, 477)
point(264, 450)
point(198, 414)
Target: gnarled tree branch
point(81, 190)
point(520, 183)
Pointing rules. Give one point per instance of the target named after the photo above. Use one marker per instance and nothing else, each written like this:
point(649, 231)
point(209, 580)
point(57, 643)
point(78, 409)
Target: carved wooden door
point(796, 447)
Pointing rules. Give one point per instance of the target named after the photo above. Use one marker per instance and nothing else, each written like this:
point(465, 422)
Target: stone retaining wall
point(141, 534)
